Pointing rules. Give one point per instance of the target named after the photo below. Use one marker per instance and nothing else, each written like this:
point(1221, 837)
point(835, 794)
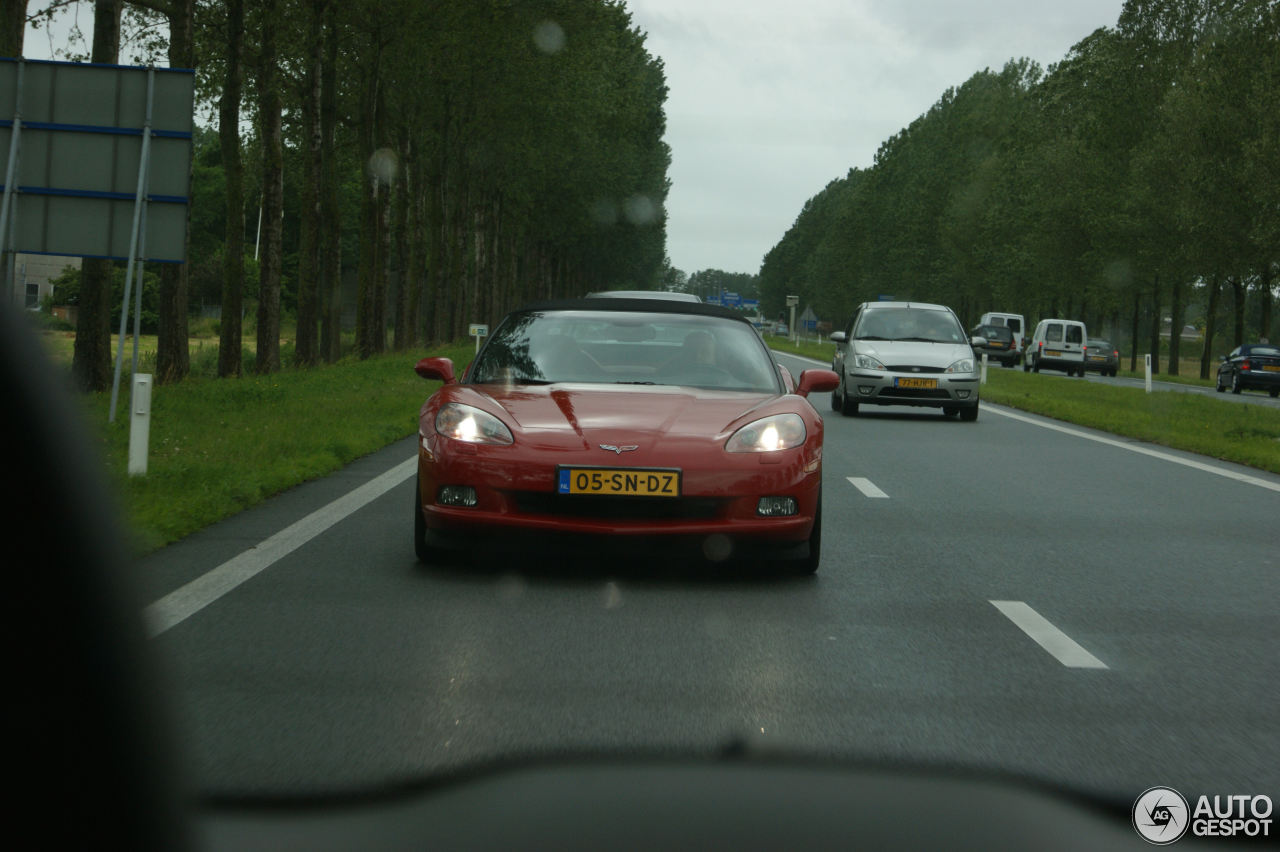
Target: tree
point(91, 360)
point(229, 132)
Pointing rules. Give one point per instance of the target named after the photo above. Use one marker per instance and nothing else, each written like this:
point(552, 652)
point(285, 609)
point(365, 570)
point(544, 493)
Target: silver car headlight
point(866, 362)
point(779, 432)
point(465, 423)
point(964, 365)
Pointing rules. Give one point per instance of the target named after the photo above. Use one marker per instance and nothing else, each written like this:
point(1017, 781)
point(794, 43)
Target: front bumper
point(517, 502)
point(893, 388)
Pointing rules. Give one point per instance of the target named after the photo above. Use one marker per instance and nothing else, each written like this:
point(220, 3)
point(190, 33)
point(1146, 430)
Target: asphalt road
point(1091, 612)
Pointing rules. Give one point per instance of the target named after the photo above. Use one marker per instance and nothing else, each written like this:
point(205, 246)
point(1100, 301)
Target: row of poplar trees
point(1138, 175)
point(505, 150)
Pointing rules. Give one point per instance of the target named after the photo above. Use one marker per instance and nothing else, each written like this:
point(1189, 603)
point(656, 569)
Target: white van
point(1059, 345)
point(1014, 322)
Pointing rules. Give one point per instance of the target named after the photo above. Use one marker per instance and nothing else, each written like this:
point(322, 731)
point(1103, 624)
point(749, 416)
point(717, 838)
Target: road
point(994, 594)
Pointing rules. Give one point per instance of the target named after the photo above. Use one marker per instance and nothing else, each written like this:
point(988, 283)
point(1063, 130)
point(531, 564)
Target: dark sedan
point(1000, 345)
point(1101, 356)
point(1251, 366)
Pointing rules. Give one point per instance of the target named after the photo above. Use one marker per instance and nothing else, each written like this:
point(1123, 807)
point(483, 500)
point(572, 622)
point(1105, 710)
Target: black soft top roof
point(648, 306)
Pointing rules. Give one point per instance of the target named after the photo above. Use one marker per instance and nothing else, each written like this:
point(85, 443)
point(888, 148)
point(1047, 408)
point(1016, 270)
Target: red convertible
point(604, 425)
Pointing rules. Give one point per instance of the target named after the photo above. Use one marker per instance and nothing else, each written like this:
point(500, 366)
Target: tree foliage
point(1121, 181)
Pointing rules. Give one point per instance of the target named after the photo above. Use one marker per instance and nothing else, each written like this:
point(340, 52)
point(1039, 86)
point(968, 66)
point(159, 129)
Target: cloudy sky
point(771, 100)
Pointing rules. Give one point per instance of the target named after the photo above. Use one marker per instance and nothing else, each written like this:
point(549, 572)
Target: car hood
point(585, 414)
point(914, 353)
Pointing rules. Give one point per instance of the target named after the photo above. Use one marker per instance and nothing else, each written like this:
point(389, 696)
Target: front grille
point(908, 368)
point(616, 508)
point(916, 393)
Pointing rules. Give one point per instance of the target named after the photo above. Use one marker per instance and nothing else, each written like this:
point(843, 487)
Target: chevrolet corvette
point(607, 425)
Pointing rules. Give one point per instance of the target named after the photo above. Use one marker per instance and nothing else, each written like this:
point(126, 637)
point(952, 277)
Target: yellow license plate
point(627, 482)
point(1052, 353)
point(1097, 357)
point(1271, 369)
point(915, 383)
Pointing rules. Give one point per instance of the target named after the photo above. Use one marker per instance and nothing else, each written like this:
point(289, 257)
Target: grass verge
point(1245, 434)
point(218, 446)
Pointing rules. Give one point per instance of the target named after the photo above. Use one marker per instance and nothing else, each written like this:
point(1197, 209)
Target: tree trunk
point(269, 117)
point(1240, 290)
point(1264, 332)
point(13, 27)
point(1133, 339)
point(173, 349)
point(404, 249)
point(307, 347)
point(331, 220)
point(230, 338)
point(1155, 324)
point(1177, 313)
point(1210, 321)
point(91, 359)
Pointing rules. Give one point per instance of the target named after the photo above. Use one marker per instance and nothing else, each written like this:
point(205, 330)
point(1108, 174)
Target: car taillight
point(1244, 365)
point(1084, 349)
point(1115, 353)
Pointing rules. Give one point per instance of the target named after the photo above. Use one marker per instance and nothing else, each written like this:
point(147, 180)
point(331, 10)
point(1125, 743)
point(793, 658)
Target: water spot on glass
point(612, 595)
point(640, 210)
point(548, 37)
point(384, 165)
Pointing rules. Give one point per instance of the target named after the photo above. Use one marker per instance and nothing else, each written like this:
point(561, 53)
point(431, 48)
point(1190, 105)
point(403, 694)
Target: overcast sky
point(770, 100)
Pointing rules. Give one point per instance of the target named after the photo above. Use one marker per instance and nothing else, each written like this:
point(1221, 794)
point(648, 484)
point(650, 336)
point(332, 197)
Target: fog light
point(776, 507)
point(961, 394)
point(866, 390)
point(456, 495)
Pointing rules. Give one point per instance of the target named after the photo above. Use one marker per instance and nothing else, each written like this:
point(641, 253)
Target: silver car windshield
point(909, 324)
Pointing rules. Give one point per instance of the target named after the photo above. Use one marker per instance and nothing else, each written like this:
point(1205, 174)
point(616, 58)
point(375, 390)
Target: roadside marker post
point(1147, 357)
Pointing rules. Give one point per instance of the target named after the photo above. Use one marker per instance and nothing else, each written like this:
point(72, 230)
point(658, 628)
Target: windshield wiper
point(635, 383)
point(870, 337)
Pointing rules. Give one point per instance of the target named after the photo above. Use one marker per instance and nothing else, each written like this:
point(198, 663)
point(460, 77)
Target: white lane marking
point(1060, 645)
point(866, 486)
point(182, 603)
point(1146, 451)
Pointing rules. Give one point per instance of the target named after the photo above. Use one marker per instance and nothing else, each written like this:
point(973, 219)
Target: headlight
point(866, 362)
point(465, 423)
point(964, 365)
point(779, 432)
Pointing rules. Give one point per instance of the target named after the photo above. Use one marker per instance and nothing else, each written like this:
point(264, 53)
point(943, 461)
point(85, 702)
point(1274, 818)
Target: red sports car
point(606, 424)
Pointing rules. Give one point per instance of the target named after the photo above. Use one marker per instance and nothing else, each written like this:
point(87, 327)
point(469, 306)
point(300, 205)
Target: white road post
point(984, 368)
point(1148, 368)
point(139, 424)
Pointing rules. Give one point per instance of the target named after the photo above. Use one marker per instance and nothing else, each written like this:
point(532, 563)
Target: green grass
point(1246, 434)
point(218, 446)
point(819, 350)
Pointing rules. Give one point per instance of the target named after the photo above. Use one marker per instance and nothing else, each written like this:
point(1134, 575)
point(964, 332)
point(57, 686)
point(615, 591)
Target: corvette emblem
point(619, 450)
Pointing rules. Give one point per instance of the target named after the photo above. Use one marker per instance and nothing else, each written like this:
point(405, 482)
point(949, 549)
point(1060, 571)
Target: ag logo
point(1161, 815)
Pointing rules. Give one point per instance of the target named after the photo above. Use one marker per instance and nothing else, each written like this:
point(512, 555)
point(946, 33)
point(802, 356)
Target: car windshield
point(1068, 580)
point(909, 324)
point(618, 347)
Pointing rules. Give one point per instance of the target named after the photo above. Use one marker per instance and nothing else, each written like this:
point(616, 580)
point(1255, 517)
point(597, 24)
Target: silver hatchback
point(906, 353)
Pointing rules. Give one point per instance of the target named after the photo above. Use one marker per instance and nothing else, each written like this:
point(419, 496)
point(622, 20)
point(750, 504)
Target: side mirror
point(977, 341)
point(1223, 358)
point(817, 380)
point(436, 369)
point(838, 336)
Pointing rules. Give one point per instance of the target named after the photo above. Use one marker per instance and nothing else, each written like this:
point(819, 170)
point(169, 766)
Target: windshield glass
point(1024, 570)
point(616, 347)
point(909, 324)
